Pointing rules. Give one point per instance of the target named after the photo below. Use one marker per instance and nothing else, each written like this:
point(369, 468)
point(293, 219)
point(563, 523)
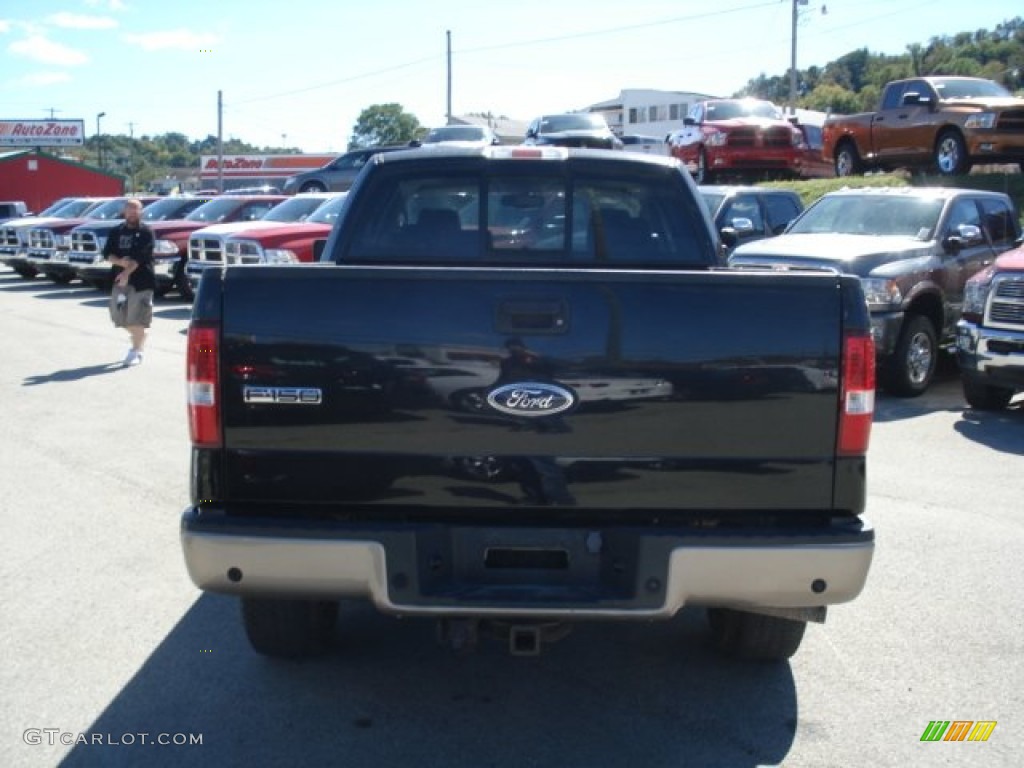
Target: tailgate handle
point(533, 316)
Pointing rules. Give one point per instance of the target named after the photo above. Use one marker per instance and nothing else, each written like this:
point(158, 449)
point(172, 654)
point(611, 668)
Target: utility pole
point(53, 111)
point(99, 140)
point(131, 153)
point(448, 34)
point(220, 141)
point(792, 59)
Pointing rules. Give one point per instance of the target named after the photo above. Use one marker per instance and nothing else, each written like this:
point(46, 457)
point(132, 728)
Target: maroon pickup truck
point(171, 249)
point(283, 244)
point(990, 334)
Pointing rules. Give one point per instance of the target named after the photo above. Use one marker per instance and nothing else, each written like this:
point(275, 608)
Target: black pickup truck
point(521, 391)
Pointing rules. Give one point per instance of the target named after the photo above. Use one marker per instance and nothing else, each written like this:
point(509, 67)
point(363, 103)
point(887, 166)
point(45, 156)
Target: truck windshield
point(328, 212)
point(530, 220)
point(112, 209)
point(871, 215)
point(214, 211)
point(169, 208)
point(294, 209)
point(969, 88)
point(730, 110)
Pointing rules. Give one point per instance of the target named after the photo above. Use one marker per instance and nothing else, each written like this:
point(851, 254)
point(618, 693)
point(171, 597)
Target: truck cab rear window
point(527, 220)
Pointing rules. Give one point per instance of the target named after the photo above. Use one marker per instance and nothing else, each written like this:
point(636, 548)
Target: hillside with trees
point(854, 82)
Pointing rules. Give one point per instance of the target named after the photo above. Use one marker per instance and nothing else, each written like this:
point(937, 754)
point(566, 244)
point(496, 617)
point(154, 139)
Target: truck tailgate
point(445, 388)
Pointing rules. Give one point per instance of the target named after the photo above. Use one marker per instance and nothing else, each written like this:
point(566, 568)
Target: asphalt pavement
point(111, 657)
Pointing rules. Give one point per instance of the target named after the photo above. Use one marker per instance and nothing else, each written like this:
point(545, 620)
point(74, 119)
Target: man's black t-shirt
point(133, 243)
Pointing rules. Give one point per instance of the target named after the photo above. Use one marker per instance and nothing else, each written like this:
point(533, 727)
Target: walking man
point(130, 249)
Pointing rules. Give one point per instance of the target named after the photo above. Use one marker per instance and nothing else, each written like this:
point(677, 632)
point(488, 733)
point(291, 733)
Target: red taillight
point(857, 403)
point(203, 384)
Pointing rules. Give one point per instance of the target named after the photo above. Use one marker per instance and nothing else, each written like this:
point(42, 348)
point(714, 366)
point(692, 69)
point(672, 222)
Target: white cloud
point(38, 48)
point(182, 39)
point(5, 26)
point(114, 5)
point(78, 21)
point(45, 78)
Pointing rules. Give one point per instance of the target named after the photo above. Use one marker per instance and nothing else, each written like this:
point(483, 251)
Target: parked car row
point(68, 244)
point(930, 260)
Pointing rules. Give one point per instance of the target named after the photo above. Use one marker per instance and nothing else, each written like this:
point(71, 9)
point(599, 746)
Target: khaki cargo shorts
point(131, 307)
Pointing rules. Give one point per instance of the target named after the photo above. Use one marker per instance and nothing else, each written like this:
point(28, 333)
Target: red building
point(39, 178)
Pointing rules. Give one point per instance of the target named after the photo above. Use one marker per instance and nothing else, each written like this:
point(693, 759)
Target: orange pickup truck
point(942, 124)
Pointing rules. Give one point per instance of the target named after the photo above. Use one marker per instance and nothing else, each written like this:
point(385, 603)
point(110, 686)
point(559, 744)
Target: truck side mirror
point(741, 225)
point(689, 121)
point(966, 234)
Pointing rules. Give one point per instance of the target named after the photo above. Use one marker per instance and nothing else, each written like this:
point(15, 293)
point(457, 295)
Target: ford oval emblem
point(531, 399)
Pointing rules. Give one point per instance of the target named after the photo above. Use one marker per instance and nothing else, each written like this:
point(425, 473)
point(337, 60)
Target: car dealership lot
point(104, 634)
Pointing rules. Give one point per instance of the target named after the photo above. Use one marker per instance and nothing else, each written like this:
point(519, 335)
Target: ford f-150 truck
point(724, 468)
point(945, 124)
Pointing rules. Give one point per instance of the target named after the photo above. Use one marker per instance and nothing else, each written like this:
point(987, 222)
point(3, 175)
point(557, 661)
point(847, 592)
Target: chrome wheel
point(920, 359)
point(950, 154)
point(847, 162)
point(910, 370)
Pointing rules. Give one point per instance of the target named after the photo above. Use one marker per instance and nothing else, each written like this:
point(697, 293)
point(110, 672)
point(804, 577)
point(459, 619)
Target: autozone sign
point(260, 166)
point(42, 133)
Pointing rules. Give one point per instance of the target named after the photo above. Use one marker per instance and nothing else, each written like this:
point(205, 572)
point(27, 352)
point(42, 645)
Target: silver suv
point(337, 175)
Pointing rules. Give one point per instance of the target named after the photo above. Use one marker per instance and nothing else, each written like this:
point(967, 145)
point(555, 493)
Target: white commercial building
point(647, 112)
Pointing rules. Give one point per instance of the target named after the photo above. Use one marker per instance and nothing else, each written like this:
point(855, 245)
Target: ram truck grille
point(243, 253)
point(40, 238)
point(1006, 302)
point(1011, 121)
point(206, 249)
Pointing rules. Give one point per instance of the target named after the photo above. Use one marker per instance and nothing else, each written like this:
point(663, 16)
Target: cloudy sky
point(299, 73)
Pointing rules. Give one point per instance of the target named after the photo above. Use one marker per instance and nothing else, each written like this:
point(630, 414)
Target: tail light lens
point(203, 387)
point(857, 407)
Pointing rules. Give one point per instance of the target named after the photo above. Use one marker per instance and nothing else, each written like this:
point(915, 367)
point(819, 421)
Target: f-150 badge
point(531, 399)
point(283, 395)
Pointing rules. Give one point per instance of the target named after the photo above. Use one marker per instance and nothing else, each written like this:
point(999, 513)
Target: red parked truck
point(748, 138)
point(286, 243)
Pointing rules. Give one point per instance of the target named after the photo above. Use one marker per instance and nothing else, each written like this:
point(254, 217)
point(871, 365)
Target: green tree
point(385, 124)
point(829, 97)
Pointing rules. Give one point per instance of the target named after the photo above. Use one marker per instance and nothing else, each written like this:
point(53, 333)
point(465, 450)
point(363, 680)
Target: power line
point(505, 46)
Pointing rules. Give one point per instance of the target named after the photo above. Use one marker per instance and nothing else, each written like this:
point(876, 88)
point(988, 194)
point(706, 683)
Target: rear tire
point(703, 174)
point(289, 629)
point(985, 397)
point(61, 279)
point(848, 161)
point(182, 284)
point(754, 636)
point(26, 272)
point(912, 367)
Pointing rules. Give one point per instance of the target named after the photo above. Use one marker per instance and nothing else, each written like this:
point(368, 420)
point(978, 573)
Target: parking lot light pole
point(99, 141)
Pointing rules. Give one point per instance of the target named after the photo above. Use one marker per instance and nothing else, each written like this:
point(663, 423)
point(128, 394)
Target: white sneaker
point(132, 358)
